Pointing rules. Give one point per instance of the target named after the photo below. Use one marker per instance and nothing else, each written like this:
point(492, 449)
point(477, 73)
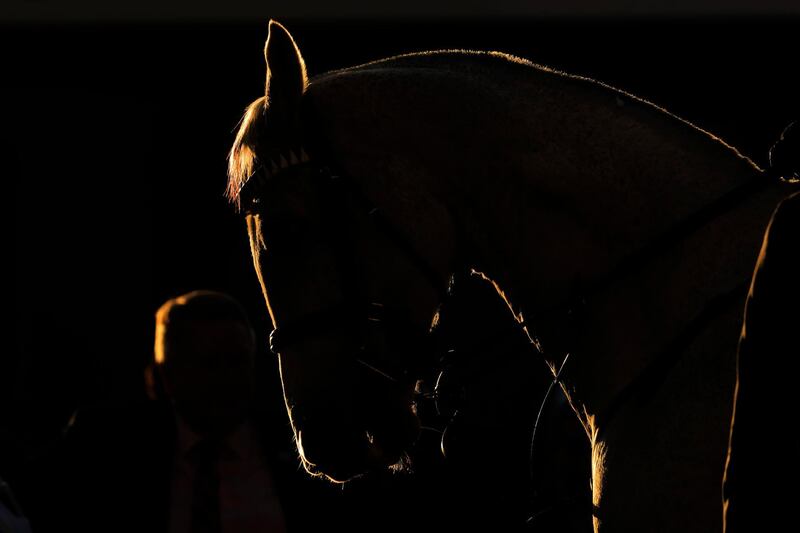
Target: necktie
point(205, 488)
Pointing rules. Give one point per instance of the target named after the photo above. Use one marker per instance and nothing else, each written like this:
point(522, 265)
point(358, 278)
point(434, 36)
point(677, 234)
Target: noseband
point(365, 322)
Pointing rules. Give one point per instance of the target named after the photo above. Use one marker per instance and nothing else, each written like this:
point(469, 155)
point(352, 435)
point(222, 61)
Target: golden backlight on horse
point(622, 237)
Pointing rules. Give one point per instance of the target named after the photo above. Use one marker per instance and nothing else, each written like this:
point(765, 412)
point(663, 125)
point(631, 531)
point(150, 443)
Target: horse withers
point(618, 234)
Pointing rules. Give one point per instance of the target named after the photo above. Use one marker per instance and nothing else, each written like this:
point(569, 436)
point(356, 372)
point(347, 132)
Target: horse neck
point(538, 255)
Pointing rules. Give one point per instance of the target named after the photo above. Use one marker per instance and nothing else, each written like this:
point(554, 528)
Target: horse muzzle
point(346, 450)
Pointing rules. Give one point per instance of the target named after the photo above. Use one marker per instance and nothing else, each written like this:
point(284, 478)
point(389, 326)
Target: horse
point(619, 235)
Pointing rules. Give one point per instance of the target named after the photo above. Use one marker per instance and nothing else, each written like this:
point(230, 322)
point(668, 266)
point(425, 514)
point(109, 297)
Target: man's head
point(204, 351)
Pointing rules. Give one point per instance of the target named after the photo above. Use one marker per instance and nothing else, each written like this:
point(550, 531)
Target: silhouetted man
point(204, 352)
point(198, 458)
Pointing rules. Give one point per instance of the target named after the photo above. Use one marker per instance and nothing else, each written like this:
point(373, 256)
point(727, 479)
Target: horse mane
point(241, 159)
point(458, 53)
point(509, 59)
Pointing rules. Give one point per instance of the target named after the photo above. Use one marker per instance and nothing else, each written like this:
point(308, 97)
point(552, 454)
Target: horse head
point(350, 298)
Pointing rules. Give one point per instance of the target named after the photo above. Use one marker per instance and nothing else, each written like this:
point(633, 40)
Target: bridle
point(361, 316)
point(368, 322)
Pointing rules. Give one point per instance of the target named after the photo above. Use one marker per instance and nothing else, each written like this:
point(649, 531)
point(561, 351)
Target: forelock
point(242, 157)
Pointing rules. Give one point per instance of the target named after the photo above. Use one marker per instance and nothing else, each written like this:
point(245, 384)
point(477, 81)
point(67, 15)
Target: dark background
point(117, 134)
point(172, 10)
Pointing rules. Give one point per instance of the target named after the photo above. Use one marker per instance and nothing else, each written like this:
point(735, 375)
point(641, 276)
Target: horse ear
point(286, 70)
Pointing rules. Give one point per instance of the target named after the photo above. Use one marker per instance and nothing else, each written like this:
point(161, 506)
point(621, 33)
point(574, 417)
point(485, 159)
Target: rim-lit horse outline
point(618, 233)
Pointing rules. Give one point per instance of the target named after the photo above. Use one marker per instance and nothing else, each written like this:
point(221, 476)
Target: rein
point(656, 371)
point(336, 189)
point(334, 186)
point(644, 386)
